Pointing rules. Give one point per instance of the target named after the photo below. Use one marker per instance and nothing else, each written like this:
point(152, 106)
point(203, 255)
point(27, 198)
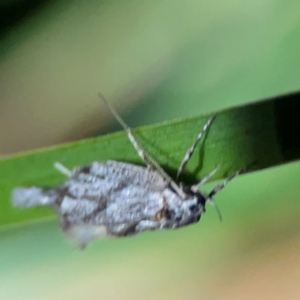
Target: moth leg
point(204, 180)
point(191, 150)
point(213, 203)
point(219, 187)
point(62, 169)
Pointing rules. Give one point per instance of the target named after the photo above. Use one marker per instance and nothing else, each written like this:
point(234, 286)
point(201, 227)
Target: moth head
point(187, 212)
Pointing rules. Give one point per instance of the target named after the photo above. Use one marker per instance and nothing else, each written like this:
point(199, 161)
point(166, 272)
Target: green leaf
point(262, 132)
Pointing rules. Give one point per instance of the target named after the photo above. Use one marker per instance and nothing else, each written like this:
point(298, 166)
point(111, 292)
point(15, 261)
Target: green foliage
point(256, 133)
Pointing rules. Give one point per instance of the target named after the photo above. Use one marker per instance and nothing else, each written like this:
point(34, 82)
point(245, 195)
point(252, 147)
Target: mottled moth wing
point(119, 199)
point(105, 199)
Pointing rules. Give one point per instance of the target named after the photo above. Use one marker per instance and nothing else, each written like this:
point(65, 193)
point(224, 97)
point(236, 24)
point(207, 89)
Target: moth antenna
point(143, 154)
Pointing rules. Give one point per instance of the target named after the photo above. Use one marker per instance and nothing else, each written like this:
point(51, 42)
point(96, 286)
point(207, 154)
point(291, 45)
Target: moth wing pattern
point(103, 199)
point(118, 199)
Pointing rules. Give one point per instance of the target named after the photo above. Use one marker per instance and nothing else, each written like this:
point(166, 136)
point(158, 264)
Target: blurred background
point(155, 60)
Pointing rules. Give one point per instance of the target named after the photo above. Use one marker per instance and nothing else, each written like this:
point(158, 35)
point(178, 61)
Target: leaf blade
point(260, 132)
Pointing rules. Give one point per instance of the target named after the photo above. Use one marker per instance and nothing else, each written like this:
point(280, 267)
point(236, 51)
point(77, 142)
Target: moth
point(112, 198)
